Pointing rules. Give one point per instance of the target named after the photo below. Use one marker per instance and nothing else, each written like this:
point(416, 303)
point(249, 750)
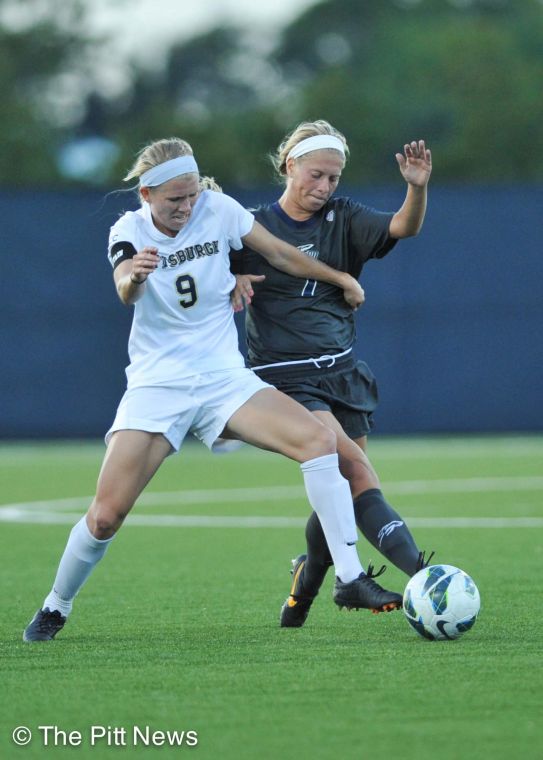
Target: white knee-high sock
point(81, 554)
point(330, 496)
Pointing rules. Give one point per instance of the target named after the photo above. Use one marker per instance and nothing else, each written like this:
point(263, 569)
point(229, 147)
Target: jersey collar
point(298, 225)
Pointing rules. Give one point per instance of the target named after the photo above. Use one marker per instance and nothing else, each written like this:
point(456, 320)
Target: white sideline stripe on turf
point(52, 511)
point(151, 499)
point(213, 521)
point(466, 485)
point(475, 522)
point(292, 493)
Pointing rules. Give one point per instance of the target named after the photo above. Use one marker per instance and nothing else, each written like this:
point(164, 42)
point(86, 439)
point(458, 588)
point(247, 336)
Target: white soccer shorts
point(200, 404)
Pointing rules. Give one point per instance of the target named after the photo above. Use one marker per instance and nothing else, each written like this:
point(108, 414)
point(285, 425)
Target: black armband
point(121, 251)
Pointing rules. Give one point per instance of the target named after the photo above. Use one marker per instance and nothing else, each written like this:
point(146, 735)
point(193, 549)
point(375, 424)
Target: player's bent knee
point(323, 441)
point(104, 522)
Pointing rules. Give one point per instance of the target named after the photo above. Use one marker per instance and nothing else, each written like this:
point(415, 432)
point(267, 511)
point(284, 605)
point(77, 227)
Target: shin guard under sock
point(318, 559)
point(81, 554)
point(383, 527)
point(329, 495)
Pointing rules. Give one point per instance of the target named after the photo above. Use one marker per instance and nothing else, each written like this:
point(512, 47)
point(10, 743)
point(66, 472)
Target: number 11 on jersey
point(309, 288)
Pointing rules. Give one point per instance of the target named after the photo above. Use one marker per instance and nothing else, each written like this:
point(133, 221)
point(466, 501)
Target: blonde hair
point(302, 132)
point(164, 150)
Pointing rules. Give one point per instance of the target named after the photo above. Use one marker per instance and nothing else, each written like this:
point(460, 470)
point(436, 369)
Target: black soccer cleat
point(44, 626)
point(296, 608)
point(364, 593)
point(422, 561)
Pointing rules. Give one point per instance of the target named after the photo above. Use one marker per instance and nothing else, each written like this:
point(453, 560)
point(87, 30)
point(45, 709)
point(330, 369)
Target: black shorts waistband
point(315, 366)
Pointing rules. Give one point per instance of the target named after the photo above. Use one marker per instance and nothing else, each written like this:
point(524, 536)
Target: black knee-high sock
point(384, 528)
point(319, 558)
point(379, 523)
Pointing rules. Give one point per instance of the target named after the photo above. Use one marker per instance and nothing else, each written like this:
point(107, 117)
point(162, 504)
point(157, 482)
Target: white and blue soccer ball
point(441, 602)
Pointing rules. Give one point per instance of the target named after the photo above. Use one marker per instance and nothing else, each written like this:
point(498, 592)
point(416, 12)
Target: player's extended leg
point(271, 420)
point(380, 524)
point(132, 458)
point(376, 519)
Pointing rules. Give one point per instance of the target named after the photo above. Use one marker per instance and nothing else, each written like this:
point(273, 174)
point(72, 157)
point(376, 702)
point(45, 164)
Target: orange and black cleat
point(296, 608)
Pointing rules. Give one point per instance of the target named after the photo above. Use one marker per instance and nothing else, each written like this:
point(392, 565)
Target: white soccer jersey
point(184, 323)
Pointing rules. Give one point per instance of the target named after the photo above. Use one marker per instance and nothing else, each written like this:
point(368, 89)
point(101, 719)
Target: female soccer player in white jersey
point(300, 339)
point(186, 374)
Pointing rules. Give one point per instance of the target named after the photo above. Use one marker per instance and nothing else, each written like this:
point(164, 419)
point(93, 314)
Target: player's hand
point(415, 163)
point(144, 263)
point(353, 293)
point(243, 293)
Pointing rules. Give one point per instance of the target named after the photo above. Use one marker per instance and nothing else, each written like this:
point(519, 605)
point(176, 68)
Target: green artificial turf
point(177, 629)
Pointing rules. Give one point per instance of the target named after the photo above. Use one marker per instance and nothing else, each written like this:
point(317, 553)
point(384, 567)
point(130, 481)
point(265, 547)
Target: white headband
point(317, 142)
point(168, 170)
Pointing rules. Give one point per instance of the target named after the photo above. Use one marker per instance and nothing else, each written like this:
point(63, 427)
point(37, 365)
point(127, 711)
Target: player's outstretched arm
point(289, 259)
point(415, 166)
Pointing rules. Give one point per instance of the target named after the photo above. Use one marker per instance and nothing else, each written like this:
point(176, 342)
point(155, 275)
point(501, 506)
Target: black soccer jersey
point(290, 318)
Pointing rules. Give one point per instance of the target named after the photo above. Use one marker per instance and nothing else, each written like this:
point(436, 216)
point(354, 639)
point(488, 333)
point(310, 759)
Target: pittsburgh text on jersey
point(189, 254)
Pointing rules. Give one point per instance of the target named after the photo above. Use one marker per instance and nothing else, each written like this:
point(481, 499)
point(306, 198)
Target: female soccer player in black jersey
point(300, 333)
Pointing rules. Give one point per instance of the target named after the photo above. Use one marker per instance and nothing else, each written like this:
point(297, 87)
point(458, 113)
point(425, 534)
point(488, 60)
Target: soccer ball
point(441, 602)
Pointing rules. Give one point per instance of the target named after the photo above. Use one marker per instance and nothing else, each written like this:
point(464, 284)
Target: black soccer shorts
point(347, 389)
